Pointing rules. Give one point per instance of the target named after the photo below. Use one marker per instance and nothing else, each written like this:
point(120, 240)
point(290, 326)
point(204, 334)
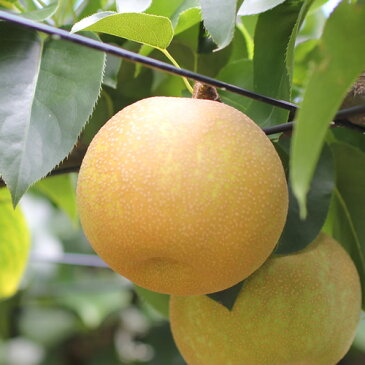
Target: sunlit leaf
point(152, 30)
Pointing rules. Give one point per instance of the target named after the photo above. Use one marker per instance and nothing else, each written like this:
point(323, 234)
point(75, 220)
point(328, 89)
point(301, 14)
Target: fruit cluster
point(189, 197)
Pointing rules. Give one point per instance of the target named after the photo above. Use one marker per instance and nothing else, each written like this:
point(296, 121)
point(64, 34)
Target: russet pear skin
point(182, 196)
point(301, 309)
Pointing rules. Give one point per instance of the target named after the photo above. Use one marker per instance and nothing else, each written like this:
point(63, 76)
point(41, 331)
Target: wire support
point(146, 61)
point(339, 119)
point(70, 259)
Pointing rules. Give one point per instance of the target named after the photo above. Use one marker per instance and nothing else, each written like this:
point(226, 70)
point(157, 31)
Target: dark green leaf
point(56, 86)
point(298, 233)
point(112, 67)
point(350, 137)
point(238, 73)
point(273, 35)
point(341, 58)
point(220, 20)
point(102, 112)
point(250, 7)
point(210, 63)
point(14, 245)
point(227, 297)
point(152, 30)
point(346, 216)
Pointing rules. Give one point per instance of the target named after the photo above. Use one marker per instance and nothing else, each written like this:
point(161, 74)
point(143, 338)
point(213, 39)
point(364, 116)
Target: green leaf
point(227, 297)
point(112, 67)
point(159, 302)
point(220, 20)
point(345, 221)
point(61, 190)
point(341, 58)
point(319, 3)
point(152, 30)
point(186, 16)
point(42, 14)
point(14, 245)
point(250, 7)
point(187, 19)
point(186, 5)
point(103, 111)
point(298, 233)
point(302, 15)
point(133, 6)
point(91, 7)
point(350, 137)
point(313, 25)
point(30, 5)
point(304, 53)
point(164, 7)
point(237, 73)
point(274, 31)
point(210, 63)
point(56, 84)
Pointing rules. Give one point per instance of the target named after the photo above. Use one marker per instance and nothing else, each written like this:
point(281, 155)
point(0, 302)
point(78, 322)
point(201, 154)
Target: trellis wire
point(156, 64)
point(71, 259)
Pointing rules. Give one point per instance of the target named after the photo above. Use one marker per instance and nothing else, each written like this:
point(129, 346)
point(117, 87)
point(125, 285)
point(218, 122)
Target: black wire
point(339, 121)
point(146, 61)
point(340, 118)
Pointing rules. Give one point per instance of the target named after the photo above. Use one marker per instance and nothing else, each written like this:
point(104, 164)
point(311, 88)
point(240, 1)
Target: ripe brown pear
point(301, 309)
point(182, 196)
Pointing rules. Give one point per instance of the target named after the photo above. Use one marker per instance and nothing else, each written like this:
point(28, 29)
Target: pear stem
point(203, 91)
